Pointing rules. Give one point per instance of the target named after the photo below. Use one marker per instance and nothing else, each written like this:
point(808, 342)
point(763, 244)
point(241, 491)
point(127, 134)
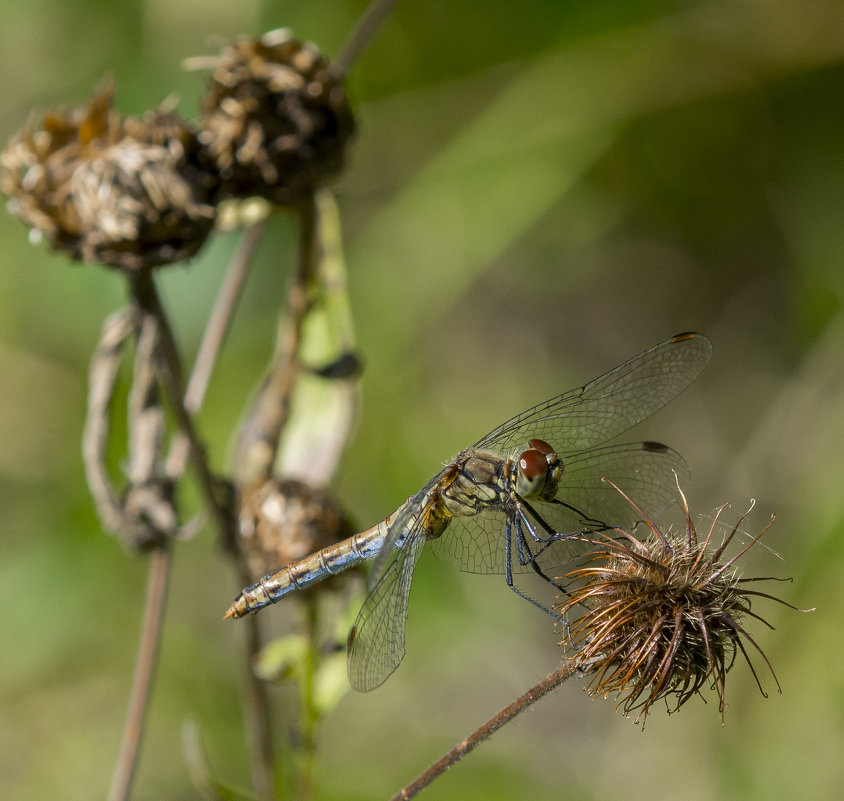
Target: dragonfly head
point(538, 471)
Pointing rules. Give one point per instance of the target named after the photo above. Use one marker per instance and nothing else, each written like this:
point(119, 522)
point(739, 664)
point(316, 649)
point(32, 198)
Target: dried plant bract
point(276, 119)
point(283, 520)
point(661, 617)
point(128, 192)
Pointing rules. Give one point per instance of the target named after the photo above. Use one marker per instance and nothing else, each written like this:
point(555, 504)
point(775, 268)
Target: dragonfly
point(517, 501)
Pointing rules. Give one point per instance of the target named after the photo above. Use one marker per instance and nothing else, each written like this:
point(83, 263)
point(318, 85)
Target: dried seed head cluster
point(282, 520)
point(276, 119)
point(137, 193)
point(660, 618)
point(127, 192)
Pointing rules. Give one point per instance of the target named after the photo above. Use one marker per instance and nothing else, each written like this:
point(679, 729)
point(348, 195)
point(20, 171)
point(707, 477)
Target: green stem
point(310, 713)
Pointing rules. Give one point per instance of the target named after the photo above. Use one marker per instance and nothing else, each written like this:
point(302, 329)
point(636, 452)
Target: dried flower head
point(660, 617)
point(127, 192)
point(282, 520)
point(276, 119)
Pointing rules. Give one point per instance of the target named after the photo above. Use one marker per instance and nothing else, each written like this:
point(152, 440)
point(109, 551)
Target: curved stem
point(186, 445)
point(145, 297)
point(260, 434)
point(361, 35)
point(255, 455)
point(157, 583)
point(550, 682)
point(212, 339)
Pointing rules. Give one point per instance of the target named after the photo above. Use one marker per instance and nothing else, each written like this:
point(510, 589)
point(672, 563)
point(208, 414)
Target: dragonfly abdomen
point(310, 570)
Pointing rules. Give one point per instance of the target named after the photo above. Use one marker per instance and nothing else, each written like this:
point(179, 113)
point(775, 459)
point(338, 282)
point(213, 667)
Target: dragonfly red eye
point(532, 465)
point(541, 445)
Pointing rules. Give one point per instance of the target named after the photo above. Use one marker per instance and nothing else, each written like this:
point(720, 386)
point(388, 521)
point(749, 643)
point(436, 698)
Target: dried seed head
point(276, 120)
point(282, 520)
point(127, 192)
point(660, 617)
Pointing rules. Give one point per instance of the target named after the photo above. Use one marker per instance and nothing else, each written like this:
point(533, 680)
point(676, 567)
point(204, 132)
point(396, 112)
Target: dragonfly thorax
point(538, 471)
point(478, 482)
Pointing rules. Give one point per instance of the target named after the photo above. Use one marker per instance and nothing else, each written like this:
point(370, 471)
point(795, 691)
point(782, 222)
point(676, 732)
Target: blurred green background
point(538, 191)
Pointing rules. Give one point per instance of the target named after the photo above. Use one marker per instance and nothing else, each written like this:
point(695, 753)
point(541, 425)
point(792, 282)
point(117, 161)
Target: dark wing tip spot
point(352, 634)
point(656, 447)
point(684, 336)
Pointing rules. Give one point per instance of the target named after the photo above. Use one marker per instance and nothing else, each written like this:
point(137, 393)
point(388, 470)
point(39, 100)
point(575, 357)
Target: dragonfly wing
point(411, 514)
point(475, 544)
point(610, 404)
point(376, 641)
point(645, 471)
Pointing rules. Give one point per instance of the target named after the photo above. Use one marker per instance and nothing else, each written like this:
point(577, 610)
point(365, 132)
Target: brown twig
point(361, 35)
point(157, 357)
point(256, 451)
point(550, 682)
point(261, 432)
point(145, 666)
point(212, 339)
point(146, 301)
point(257, 709)
point(102, 378)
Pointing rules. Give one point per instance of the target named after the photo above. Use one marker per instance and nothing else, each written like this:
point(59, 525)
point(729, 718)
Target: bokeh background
point(538, 191)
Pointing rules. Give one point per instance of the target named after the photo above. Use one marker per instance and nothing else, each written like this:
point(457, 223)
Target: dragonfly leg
point(508, 565)
point(525, 555)
point(591, 524)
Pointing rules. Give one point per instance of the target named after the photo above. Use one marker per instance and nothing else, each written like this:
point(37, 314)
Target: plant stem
point(550, 682)
point(260, 434)
point(145, 666)
point(257, 709)
point(212, 339)
point(361, 35)
point(304, 791)
point(145, 297)
point(146, 303)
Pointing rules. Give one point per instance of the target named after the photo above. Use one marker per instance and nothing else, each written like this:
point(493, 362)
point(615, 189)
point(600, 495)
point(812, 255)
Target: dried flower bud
point(275, 118)
point(662, 616)
point(282, 520)
point(130, 193)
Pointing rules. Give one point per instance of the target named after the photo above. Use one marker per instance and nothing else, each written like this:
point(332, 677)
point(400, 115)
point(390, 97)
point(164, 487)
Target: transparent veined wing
point(416, 506)
point(376, 640)
point(644, 470)
point(610, 404)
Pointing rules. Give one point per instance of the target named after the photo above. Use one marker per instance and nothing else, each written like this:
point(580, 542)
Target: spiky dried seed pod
point(662, 615)
point(276, 119)
point(282, 520)
point(127, 192)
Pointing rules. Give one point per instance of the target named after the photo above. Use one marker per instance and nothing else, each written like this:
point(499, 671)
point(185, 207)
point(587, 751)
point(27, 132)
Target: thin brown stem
point(550, 682)
point(257, 711)
point(261, 432)
point(361, 35)
point(145, 666)
point(259, 727)
point(102, 378)
point(212, 339)
point(257, 447)
point(145, 296)
point(147, 307)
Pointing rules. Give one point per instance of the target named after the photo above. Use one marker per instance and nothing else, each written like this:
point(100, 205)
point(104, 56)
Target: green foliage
point(537, 192)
